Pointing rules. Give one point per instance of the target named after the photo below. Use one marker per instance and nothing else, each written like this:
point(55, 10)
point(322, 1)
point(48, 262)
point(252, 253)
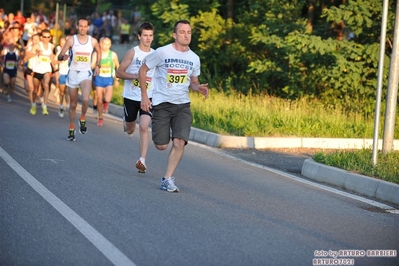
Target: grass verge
point(266, 116)
point(360, 162)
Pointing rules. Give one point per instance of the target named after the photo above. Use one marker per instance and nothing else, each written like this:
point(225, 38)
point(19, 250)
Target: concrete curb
point(223, 141)
point(360, 184)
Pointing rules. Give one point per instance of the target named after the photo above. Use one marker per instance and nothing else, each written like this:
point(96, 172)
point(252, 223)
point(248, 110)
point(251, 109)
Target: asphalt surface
point(83, 203)
point(287, 160)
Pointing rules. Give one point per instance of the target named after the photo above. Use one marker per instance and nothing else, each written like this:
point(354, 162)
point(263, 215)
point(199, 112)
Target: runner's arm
point(121, 71)
point(68, 44)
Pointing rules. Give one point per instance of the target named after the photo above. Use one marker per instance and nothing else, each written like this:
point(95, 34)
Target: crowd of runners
point(156, 82)
point(31, 43)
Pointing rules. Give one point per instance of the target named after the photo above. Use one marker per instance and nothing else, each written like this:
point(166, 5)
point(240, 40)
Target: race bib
point(82, 59)
point(10, 64)
point(177, 76)
point(44, 59)
point(105, 71)
point(136, 83)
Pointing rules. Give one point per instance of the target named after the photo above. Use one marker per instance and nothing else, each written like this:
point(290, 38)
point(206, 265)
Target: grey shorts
point(167, 116)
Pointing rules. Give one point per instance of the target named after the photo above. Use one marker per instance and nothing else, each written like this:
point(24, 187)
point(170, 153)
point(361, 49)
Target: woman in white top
point(63, 69)
point(43, 67)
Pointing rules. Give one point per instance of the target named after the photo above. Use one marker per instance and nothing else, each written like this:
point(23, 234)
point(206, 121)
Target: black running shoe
point(71, 136)
point(82, 126)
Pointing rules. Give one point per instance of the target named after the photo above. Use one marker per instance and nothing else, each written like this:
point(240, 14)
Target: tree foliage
point(290, 49)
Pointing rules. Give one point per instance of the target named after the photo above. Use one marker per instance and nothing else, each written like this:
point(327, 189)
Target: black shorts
point(168, 116)
point(131, 108)
point(125, 38)
point(28, 71)
point(10, 72)
point(39, 76)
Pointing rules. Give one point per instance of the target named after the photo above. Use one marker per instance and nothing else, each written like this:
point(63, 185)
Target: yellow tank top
point(125, 28)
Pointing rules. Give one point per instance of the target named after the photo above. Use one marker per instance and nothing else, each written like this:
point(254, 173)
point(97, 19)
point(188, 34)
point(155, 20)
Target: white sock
point(44, 106)
point(142, 160)
point(61, 106)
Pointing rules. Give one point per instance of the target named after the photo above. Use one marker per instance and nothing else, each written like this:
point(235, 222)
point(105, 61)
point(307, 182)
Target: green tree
point(296, 64)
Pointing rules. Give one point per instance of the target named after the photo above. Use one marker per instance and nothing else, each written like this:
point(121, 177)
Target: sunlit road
point(83, 203)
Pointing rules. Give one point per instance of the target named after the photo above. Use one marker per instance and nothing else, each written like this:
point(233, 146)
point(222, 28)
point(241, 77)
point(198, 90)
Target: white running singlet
point(63, 66)
point(131, 89)
point(43, 63)
point(81, 54)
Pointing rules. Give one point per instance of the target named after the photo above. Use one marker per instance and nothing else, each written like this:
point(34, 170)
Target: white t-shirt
point(172, 74)
point(29, 30)
point(131, 89)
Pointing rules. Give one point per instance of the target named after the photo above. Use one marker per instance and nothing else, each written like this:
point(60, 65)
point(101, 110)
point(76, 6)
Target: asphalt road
point(287, 160)
point(83, 203)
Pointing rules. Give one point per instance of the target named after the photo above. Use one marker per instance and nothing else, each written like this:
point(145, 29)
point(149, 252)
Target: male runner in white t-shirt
point(176, 69)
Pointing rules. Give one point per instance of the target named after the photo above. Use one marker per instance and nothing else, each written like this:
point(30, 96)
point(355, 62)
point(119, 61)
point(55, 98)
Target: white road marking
point(385, 207)
point(52, 160)
point(95, 237)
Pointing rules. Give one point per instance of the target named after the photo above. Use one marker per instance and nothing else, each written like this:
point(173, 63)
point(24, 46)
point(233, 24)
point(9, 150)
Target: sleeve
point(152, 60)
point(197, 68)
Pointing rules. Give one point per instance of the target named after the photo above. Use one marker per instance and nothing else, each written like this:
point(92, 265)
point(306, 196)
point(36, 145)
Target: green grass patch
point(265, 116)
point(360, 161)
point(117, 94)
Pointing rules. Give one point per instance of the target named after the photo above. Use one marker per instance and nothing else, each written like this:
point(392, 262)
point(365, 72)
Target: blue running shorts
point(62, 79)
point(103, 82)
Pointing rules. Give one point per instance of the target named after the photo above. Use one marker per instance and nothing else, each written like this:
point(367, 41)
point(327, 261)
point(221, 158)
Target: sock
point(44, 106)
point(34, 104)
point(71, 126)
point(95, 107)
point(61, 106)
point(82, 117)
point(142, 160)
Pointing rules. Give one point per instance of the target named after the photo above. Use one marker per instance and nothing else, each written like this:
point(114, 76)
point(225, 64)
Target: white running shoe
point(169, 184)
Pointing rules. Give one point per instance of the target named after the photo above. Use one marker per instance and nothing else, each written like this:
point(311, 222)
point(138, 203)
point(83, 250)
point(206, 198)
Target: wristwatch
point(99, 66)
